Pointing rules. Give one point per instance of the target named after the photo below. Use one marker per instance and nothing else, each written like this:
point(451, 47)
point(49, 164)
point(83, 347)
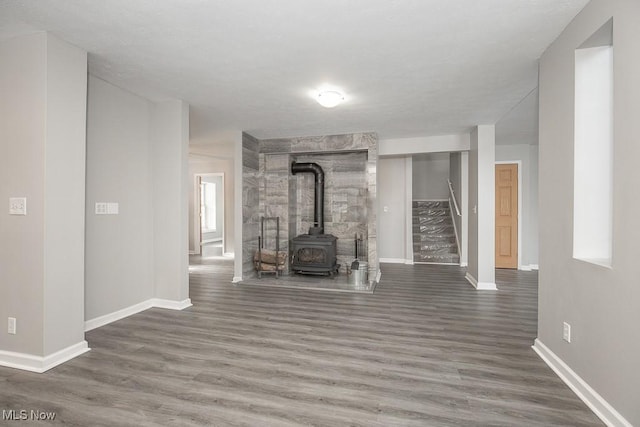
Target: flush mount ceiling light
point(329, 98)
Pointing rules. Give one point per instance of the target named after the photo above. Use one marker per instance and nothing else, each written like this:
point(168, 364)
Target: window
point(593, 148)
point(208, 206)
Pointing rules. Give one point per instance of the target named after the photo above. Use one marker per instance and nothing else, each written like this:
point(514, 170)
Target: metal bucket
point(359, 277)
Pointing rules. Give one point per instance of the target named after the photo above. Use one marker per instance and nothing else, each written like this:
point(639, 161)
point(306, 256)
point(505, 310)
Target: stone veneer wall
point(269, 189)
point(250, 202)
point(345, 202)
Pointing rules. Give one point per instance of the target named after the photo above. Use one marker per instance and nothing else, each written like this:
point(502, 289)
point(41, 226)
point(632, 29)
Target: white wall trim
point(229, 254)
point(463, 264)
point(534, 267)
point(171, 304)
point(236, 279)
point(134, 309)
point(116, 315)
point(588, 395)
point(471, 280)
point(408, 198)
point(192, 253)
point(216, 240)
point(39, 364)
point(481, 286)
point(378, 276)
point(408, 261)
point(429, 144)
point(394, 260)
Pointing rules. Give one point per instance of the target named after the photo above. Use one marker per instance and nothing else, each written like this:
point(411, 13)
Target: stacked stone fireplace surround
point(269, 189)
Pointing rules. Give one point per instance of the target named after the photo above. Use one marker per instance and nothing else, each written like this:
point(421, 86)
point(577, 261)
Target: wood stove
point(316, 252)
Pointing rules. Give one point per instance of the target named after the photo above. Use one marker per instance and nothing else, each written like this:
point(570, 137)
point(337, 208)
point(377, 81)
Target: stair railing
point(452, 199)
point(452, 196)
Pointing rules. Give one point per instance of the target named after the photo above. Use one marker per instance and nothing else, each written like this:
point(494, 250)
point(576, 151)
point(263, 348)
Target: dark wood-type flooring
point(425, 350)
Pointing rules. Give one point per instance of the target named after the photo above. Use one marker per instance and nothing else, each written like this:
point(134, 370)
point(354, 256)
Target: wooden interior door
point(507, 216)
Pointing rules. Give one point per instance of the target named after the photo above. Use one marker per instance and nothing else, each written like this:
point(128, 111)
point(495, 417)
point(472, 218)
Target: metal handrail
point(455, 203)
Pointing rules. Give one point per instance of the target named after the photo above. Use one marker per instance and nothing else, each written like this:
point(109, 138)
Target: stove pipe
point(318, 198)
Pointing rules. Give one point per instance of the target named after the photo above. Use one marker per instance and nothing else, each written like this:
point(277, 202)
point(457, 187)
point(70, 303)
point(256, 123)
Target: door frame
point(519, 163)
point(197, 226)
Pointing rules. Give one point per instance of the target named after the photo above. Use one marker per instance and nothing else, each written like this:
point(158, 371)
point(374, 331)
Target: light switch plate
point(113, 208)
point(101, 208)
point(17, 206)
point(107, 208)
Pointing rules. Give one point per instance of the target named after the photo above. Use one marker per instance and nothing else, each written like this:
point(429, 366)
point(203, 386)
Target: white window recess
point(593, 149)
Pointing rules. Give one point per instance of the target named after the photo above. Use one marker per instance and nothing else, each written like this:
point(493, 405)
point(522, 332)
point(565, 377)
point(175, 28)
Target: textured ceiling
point(408, 67)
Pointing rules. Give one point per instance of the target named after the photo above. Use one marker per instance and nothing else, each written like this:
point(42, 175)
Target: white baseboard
point(39, 364)
point(534, 267)
point(471, 280)
point(481, 286)
point(192, 252)
point(530, 267)
point(171, 304)
point(394, 260)
point(408, 261)
point(229, 255)
point(463, 264)
point(588, 395)
point(216, 240)
point(486, 286)
point(378, 276)
point(117, 315)
point(134, 309)
point(236, 279)
point(435, 263)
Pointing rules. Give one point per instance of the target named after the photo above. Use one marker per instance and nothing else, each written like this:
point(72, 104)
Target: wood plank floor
point(424, 350)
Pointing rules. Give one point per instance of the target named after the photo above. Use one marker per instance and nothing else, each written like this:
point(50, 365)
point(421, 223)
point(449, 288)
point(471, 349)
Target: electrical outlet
point(566, 332)
point(11, 325)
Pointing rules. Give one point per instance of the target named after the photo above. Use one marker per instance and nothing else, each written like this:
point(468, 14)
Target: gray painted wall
point(119, 253)
point(42, 122)
point(23, 124)
point(392, 193)
point(170, 164)
point(136, 156)
point(481, 247)
point(64, 234)
point(601, 304)
point(430, 174)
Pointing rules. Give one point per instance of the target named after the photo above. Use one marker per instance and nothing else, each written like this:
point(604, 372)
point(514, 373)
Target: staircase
point(434, 239)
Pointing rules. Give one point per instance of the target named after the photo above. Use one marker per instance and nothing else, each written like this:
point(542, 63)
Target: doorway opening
point(209, 214)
